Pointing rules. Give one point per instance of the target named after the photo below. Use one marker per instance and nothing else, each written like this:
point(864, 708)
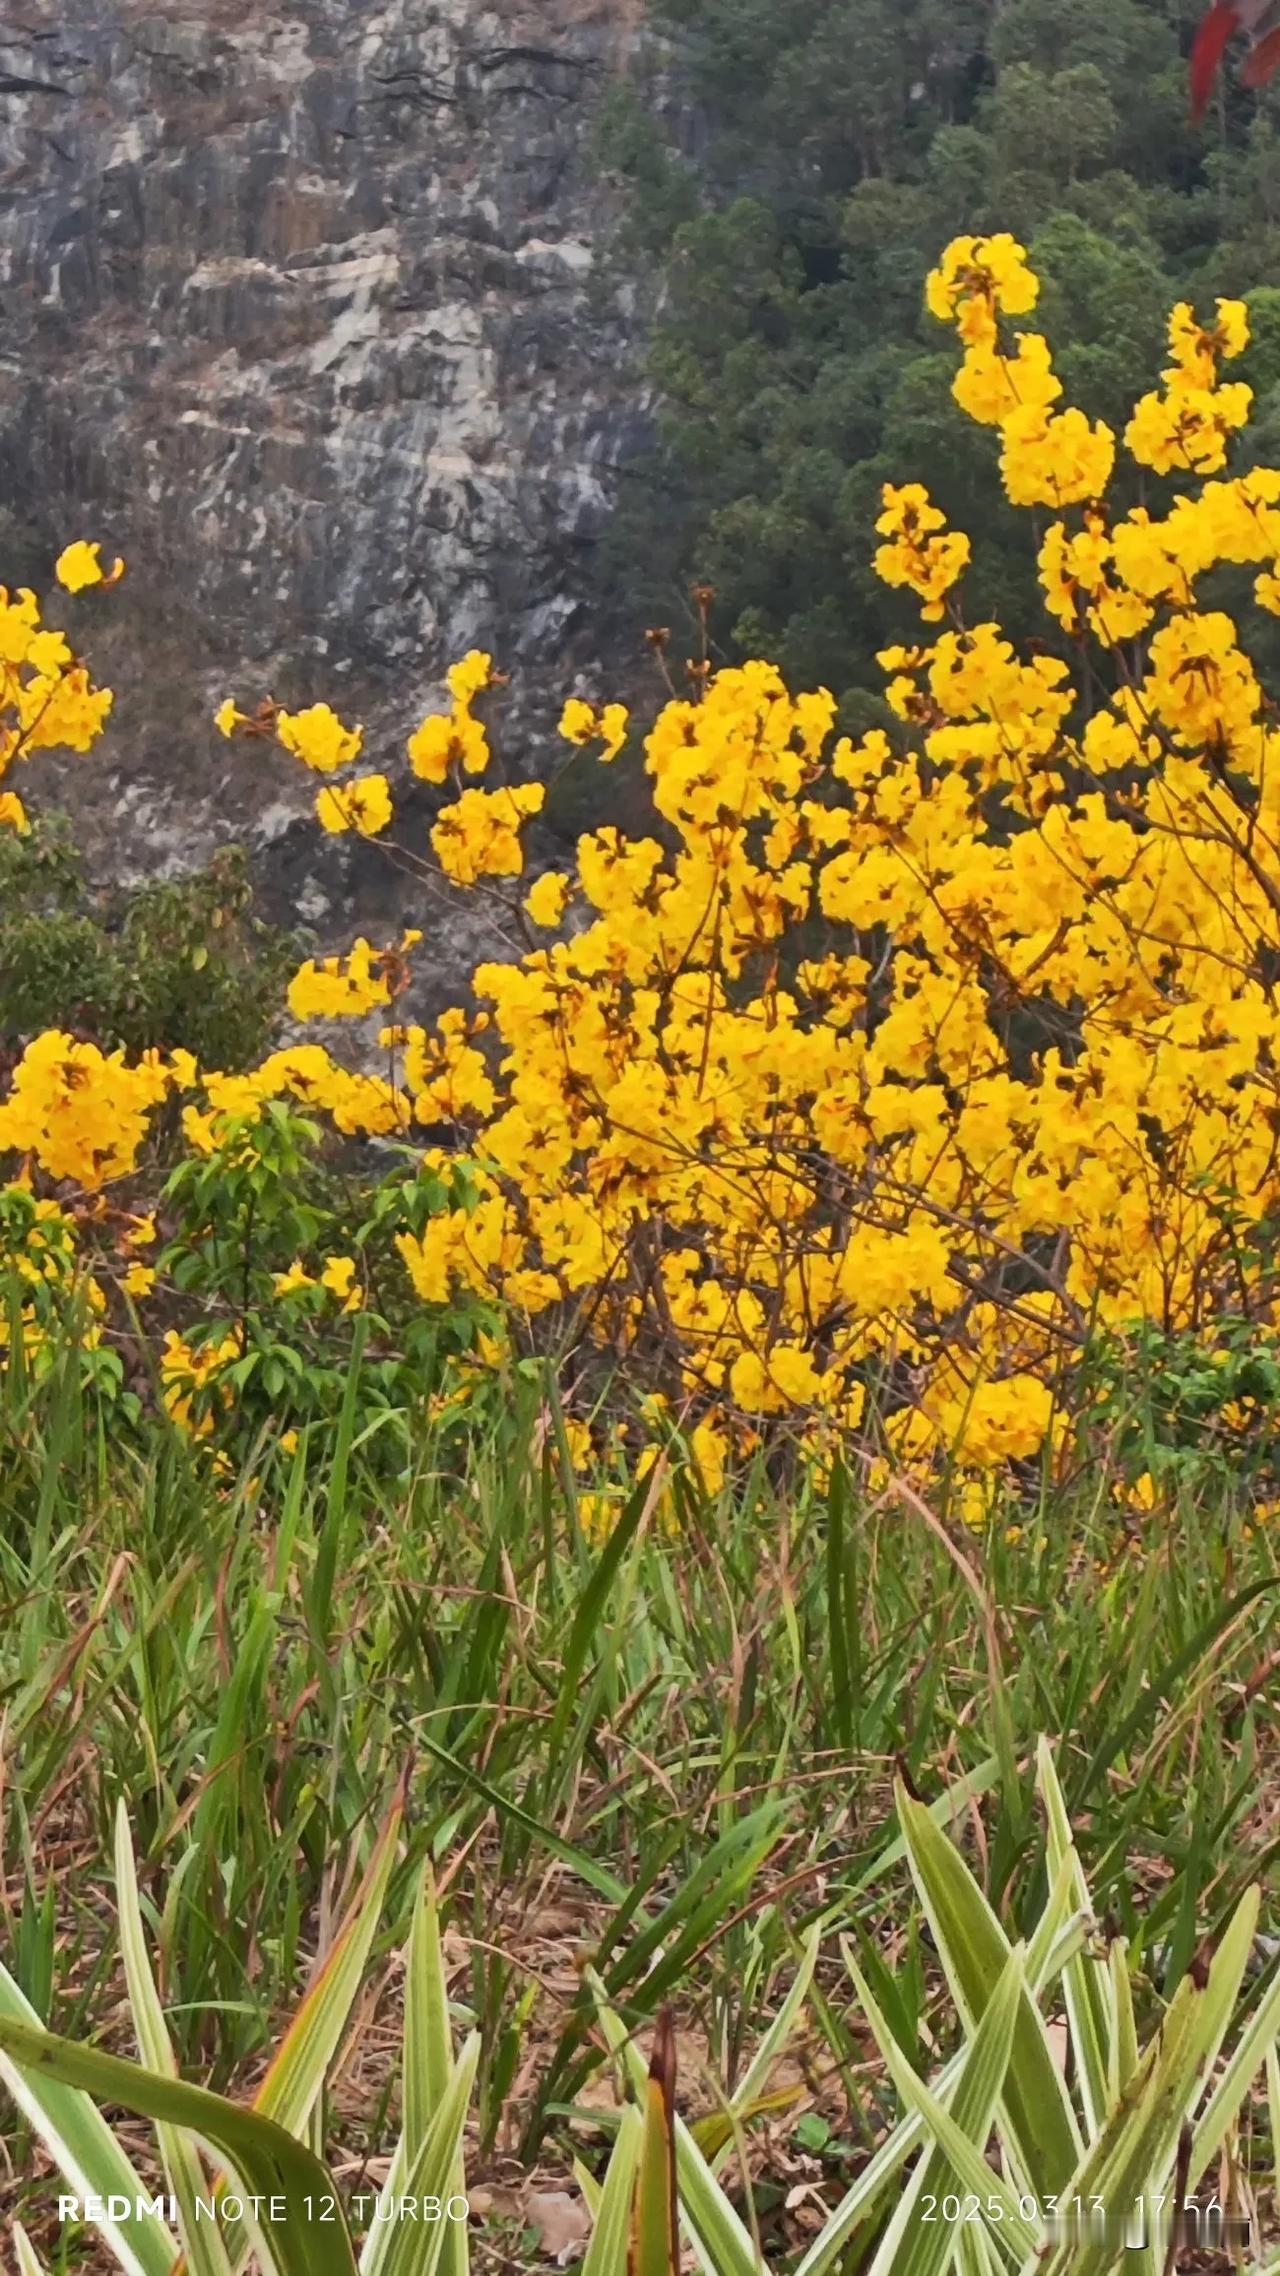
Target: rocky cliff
point(302, 310)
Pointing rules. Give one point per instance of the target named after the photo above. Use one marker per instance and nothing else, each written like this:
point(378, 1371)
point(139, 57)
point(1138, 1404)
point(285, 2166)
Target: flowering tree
point(884, 1069)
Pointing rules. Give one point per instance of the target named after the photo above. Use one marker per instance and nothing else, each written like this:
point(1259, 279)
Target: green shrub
point(182, 964)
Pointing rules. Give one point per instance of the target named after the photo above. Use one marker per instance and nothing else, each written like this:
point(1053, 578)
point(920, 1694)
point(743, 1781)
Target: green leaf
point(297, 2073)
point(1131, 2157)
point(79, 2141)
point(428, 2052)
point(861, 2202)
point(266, 2159)
point(1124, 2042)
point(724, 2243)
point(28, 2265)
point(917, 2248)
point(607, 2251)
point(591, 1608)
point(1086, 1980)
point(205, 2251)
point(974, 1951)
point(1255, 2047)
point(751, 2094)
point(418, 2250)
point(655, 2241)
point(951, 1803)
point(1162, 1686)
point(595, 1876)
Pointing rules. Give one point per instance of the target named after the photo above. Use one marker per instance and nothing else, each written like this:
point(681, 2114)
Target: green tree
point(179, 965)
point(840, 144)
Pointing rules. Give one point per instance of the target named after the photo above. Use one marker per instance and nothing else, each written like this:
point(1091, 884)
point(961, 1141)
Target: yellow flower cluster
point(79, 1112)
point(581, 722)
point(346, 987)
point(305, 1072)
point(1188, 426)
point(478, 834)
point(453, 742)
point(192, 1380)
point(40, 1255)
point(897, 1061)
point(920, 551)
point(337, 1279)
point(1048, 458)
point(363, 804)
point(47, 701)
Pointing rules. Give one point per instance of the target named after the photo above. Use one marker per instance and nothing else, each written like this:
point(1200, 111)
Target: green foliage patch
point(792, 173)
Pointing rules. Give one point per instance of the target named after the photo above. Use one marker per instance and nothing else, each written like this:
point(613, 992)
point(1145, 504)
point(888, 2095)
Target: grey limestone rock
point(303, 310)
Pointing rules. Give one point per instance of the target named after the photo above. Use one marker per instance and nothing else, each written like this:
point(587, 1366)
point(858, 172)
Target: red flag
point(1211, 40)
point(1262, 62)
point(1258, 21)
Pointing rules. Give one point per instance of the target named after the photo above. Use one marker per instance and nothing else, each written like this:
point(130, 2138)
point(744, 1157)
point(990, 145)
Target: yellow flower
point(339, 1278)
point(226, 718)
point(79, 565)
point(1055, 459)
point(1196, 348)
point(138, 1280)
point(190, 1380)
point(80, 1112)
point(318, 738)
point(1143, 1494)
point(478, 835)
point(297, 1277)
point(990, 386)
point(979, 278)
point(578, 720)
point(466, 679)
point(448, 741)
point(363, 805)
point(13, 814)
point(342, 987)
point(547, 899)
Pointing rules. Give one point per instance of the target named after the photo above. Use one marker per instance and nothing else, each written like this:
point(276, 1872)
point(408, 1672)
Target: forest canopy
point(793, 171)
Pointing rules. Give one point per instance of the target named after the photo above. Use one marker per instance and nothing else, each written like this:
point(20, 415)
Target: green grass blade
point(722, 2238)
point(655, 2238)
point(202, 2243)
point(289, 2091)
point(974, 1951)
point(913, 2247)
point(596, 1876)
point(590, 1611)
point(754, 2080)
point(861, 2202)
point(1161, 1687)
point(1131, 2159)
point(416, 2248)
point(949, 1805)
point(1056, 1922)
point(1086, 1980)
point(78, 2139)
point(428, 2052)
point(1256, 2045)
point(607, 2252)
point(266, 2159)
point(28, 2265)
point(959, 2130)
point(1124, 2042)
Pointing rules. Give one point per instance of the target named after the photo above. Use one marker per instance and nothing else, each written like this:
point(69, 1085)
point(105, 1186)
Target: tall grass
point(664, 1754)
